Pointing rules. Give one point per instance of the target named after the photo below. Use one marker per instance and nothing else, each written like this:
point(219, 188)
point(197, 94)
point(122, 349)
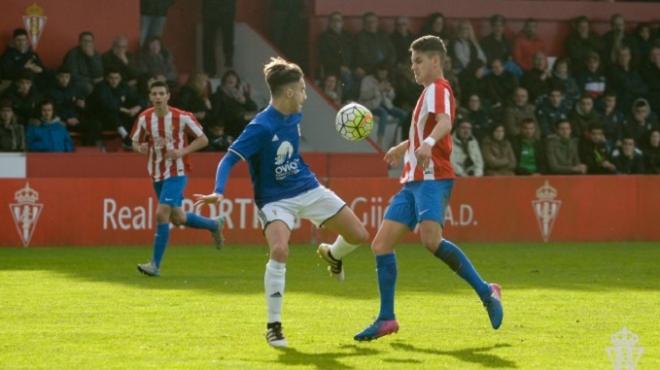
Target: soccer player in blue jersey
point(427, 179)
point(284, 187)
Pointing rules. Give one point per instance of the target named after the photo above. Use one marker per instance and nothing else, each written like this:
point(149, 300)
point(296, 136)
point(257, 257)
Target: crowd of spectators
point(592, 110)
point(95, 96)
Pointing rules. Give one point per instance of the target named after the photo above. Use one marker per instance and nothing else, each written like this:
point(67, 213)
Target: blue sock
point(452, 255)
point(386, 268)
point(160, 242)
point(200, 222)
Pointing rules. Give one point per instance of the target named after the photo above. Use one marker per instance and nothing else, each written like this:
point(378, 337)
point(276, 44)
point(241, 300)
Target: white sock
point(274, 285)
point(340, 248)
point(122, 131)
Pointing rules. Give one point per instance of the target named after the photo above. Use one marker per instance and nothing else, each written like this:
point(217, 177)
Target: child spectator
point(67, 98)
point(24, 96)
point(47, 133)
point(12, 134)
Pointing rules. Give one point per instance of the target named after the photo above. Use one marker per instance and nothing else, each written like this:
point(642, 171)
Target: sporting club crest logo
point(34, 22)
point(26, 212)
point(546, 209)
point(625, 353)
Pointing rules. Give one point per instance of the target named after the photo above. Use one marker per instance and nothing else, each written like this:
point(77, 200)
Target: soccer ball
point(354, 122)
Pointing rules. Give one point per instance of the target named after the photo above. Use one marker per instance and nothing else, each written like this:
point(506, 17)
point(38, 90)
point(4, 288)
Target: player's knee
point(178, 220)
point(430, 240)
point(279, 251)
point(163, 215)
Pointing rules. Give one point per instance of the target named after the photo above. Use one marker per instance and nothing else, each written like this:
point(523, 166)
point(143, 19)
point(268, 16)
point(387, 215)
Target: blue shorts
point(420, 201)
point(170, 190)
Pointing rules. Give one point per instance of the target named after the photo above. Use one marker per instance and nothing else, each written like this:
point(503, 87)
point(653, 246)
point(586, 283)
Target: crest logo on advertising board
point(546, 209)
point(625, 353)
point(26, 212)
point(34, 21)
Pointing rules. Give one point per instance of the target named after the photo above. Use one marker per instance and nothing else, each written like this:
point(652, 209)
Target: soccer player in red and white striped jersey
point(161, 132)
point(427, 180)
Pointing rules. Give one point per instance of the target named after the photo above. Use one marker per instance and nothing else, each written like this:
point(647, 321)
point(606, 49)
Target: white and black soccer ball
point(354, 122)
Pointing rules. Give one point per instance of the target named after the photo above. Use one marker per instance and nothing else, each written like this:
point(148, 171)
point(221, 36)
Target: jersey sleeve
point(139, 131)
point(438, 99)
point(191, 126)
point(251, 140)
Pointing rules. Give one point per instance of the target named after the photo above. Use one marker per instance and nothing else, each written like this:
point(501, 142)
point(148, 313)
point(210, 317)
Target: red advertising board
point(120, 211)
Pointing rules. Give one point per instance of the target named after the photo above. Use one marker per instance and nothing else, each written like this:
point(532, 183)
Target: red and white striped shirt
point(163, 134)
point(436, 98)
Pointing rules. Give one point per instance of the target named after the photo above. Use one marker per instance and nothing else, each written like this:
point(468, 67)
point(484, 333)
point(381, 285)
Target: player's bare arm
point(395, 153)
point(197, 144)
point(441, 129)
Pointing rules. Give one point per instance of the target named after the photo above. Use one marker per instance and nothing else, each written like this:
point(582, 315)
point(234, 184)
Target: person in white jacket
point(377, 94)
point(465, 155)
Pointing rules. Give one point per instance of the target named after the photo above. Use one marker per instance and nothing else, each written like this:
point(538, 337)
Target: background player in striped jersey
point(161, 132)
point(285, 189)
point(427, 183)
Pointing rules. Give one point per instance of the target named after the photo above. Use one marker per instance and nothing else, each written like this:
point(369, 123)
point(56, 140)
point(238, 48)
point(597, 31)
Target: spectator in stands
point(401, 38)
point(526, 45)
point(499, 84)
point(628, 160)
point(652, 152)
point(465, 49)
point(19, 57)
point(407, 90)
point(592, 80)
point(466, 156)
point(67, 98)
point(594, 152)
point(519, 111)
point(582, 42)
point(474, 113)
point(47, 133)
point(640, 122)
point(651, 75)
point(551, 110)
point(372, 47)
point(450, 75)
point(562, 152)
point(612, 120)
point(472, 79)
point(113, 106)
point(537, 79)
point(12, 134)
point(584, 116)
point(615, 39)
point(377, 94)
point(561, 77)
point(641, 42)
point(24, 96)
point(499, 159)
point(84, 63)
point(119, 58)
point(155, 60)
point(153, 16)
point(336, 53)
point(498, 46)
point(194, 97)
point(626, 80)
point(435, 25)
point(288, 25)
point(218, 15)
point(529, 150)
point(233, 105)
point(332, 89)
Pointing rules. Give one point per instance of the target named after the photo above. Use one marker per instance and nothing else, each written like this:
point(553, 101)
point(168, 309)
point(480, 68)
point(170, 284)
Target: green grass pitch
point(88, 308)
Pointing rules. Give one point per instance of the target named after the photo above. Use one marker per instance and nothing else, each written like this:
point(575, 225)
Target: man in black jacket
point(20, 57)
point(594, 152)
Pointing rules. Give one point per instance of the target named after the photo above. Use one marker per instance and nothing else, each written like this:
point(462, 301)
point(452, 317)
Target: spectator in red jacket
point(526, 45)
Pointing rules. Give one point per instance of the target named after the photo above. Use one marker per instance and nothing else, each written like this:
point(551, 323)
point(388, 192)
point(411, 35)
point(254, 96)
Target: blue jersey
point(271, 146)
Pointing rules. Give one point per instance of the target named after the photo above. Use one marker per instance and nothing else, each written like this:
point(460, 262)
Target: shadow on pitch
point(324, 360)
point(477, 355)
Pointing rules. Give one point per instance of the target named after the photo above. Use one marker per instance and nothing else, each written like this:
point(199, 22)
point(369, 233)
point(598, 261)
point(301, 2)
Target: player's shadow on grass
point(324, 360)
point(477, 355)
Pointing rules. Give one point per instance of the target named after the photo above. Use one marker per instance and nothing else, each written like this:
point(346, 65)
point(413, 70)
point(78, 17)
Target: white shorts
point(317, 205)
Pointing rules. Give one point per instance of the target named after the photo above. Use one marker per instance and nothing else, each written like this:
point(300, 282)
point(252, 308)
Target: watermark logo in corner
point(624, 352)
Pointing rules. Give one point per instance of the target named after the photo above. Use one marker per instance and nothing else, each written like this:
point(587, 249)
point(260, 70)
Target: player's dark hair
point(279, 73)
point(159, 84)
point(429, 44)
